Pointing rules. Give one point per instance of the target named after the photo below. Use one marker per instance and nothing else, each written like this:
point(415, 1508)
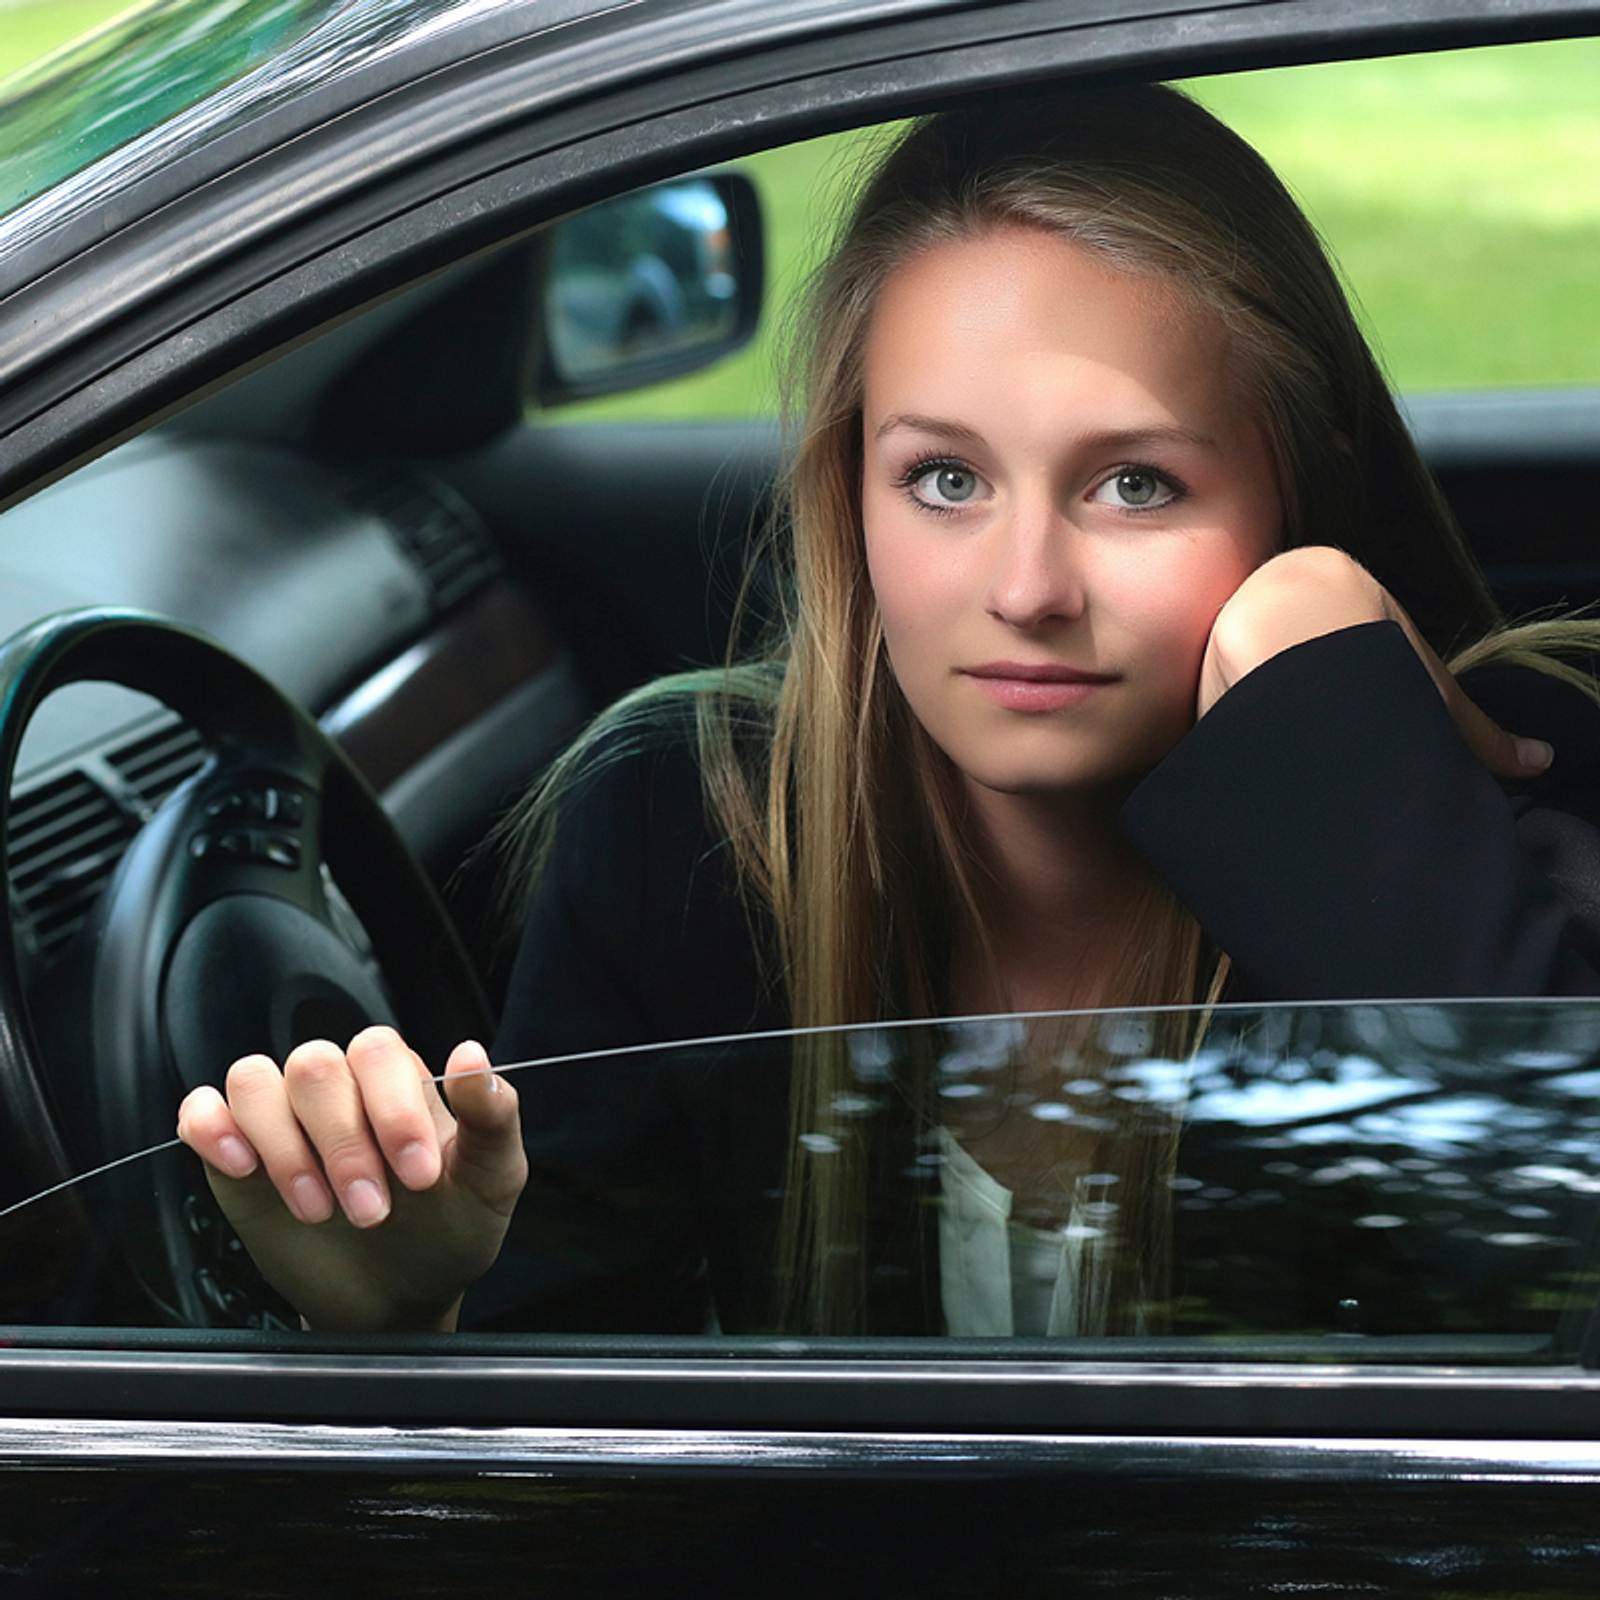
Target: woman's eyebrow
point(1106, 439)
point(920, 424)
point(1132, 438)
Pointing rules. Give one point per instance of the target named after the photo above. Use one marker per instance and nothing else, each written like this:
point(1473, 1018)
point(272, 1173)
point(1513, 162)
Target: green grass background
point(1460, 193)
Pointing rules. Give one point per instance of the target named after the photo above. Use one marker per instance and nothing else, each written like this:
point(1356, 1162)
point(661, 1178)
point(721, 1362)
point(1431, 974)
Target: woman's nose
point(1037, 575)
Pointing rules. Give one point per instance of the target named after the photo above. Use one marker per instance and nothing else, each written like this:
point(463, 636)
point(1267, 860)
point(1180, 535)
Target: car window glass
point(1373, 1182)
point(1471, 260)
point(123, 72)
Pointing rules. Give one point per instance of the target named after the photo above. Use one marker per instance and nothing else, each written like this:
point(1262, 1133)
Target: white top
point(998, 1277)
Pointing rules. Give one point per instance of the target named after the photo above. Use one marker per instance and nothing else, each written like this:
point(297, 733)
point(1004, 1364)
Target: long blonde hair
point(846, 827)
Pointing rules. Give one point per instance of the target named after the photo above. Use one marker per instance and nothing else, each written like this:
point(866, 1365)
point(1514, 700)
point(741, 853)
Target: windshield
point(1374, 1182)
point(192, 69)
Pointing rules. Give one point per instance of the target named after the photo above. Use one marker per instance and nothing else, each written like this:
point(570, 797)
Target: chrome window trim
point(31, 1443)
point(772, 1397)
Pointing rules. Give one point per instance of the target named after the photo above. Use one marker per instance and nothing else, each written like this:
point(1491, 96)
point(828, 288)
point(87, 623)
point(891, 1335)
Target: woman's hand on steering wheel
point(366, 1200)
point(1317, 589)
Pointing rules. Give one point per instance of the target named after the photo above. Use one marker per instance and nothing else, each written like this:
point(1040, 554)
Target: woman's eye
point(1137, 489)
point(946, 485)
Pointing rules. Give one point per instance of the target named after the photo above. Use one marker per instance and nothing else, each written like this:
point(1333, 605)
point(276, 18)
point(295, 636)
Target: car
point(306, 578)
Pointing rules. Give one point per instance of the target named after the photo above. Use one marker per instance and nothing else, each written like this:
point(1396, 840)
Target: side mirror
point(650, 285)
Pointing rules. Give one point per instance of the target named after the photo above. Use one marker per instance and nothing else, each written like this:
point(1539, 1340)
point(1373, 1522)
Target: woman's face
point(1059, 475)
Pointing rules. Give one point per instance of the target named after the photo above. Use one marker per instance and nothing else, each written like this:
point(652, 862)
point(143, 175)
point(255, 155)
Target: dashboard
point(373, 595)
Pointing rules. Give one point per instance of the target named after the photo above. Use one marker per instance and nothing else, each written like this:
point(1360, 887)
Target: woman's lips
point(1020, 686)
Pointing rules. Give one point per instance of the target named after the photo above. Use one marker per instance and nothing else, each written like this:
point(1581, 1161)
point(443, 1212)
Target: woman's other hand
point(365, 1199)
point(1314, 590)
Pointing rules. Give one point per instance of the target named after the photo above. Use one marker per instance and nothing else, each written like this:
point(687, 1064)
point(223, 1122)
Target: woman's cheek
point(912, 591)
point(1175, 615)
point(1179, 625)
point(911, 665)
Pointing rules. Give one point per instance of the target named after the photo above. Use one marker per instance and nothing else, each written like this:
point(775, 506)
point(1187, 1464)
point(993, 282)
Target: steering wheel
point(218, 935)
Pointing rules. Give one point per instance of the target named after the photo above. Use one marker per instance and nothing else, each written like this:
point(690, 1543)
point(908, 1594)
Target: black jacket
point(1324, 822)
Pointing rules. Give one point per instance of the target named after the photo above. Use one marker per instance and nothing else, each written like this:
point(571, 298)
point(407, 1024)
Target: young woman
point(1130, 657)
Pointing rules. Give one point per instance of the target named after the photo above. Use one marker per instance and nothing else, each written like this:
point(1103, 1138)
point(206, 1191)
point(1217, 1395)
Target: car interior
point(378, 524)
point(396, 523)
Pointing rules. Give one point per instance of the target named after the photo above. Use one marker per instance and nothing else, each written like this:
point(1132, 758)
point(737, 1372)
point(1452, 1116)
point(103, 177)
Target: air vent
point(155, 763)
point(66, 840)
point(437, 531)
point(68, 834)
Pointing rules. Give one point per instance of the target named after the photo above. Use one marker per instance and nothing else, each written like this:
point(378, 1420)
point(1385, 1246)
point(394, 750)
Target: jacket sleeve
point(1330, 830)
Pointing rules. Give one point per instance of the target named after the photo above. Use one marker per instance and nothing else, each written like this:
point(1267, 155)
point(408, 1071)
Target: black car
point(307, 578)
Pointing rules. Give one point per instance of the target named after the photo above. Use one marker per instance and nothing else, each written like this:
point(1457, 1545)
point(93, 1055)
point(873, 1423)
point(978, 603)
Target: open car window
point(1473, 234)
point(1371, 1182)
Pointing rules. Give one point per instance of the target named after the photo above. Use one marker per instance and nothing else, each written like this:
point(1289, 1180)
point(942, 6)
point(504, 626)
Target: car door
point(1375, 1368)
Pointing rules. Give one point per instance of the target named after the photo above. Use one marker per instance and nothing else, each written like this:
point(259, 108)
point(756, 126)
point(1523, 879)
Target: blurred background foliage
point(1457, 191)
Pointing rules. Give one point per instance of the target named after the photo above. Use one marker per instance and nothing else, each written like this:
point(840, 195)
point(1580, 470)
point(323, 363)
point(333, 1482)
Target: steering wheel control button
point(286, 808)
point(195, 1217)
point(269, 849)
point(279, 851)
point(283, 806)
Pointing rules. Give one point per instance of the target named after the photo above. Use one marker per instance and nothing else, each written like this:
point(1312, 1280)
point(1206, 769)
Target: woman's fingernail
point(309, 1201)
point(364, 1203)
point(476, 1059)
point(236, 1157)
point(415, 1164)
point(1534, 754)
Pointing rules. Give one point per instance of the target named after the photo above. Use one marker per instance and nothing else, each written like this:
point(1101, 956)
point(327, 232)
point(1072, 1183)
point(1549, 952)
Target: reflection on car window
point(165, 78)
point(146, 65)
point(1375, 1181)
